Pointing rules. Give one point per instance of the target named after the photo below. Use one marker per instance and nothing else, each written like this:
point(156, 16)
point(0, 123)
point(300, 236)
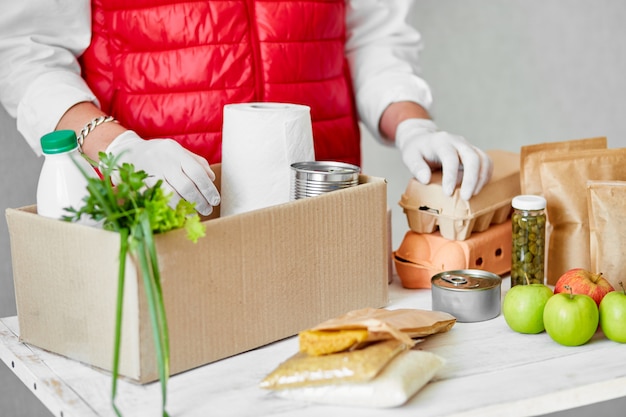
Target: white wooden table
point(490, 371)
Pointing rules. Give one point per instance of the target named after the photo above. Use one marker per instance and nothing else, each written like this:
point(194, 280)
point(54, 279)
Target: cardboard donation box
point(255, 278)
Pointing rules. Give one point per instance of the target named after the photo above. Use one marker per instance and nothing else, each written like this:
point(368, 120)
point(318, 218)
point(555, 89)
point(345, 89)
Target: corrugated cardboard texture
point(255, 278)
point(65, 285)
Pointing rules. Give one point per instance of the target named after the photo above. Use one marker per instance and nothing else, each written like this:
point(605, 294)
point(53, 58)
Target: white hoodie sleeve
point(383, 49)
point(40, 76)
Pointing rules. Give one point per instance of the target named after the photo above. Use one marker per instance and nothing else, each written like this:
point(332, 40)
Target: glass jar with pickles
point(529, 240)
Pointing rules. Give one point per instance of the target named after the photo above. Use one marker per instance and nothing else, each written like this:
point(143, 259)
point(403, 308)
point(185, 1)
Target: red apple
point(585, 282)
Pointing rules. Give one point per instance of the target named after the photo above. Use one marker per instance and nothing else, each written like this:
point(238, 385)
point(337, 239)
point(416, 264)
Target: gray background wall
point(504, 74)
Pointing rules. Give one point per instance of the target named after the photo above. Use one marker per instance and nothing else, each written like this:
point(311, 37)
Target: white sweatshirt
point(40, 41)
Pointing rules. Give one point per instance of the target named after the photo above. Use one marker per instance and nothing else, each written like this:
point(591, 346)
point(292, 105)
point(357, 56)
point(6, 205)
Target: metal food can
point(468, 294)
point(313, 178)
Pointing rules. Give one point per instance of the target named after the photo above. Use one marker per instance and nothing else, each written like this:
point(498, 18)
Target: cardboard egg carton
point(421, 256)
point(428, 209)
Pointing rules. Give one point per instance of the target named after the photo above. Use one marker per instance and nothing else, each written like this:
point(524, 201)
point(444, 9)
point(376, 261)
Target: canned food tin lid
point(466, 280)
point(326, 171)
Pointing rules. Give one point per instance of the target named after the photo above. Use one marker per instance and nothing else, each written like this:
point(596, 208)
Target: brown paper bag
point(606, 202)
point(564, 177)
point(531, 157)
point(360, 327)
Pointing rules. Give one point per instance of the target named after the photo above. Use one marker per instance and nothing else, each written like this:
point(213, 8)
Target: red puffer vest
point(166, 68)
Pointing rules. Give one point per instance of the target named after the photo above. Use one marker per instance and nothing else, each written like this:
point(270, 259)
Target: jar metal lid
point(529, 202)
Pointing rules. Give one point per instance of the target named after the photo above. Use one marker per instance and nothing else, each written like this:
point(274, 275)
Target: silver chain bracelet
point(89, 127)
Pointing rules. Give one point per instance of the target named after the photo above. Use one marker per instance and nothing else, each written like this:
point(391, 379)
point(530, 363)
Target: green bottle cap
point(59, 141)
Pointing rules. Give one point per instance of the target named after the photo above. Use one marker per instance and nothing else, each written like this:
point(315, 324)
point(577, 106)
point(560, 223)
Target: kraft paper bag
point(606, 202)
point(564, 177)
point(531, 157)
point(359, 327)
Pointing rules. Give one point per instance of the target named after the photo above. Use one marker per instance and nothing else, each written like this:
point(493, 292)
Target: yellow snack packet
point(359, 327)
point(319, 342)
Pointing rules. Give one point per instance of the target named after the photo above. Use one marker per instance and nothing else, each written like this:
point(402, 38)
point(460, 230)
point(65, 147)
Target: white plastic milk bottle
point(61, 183)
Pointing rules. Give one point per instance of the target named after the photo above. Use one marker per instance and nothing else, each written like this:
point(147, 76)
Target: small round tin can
point(468, 294)
point(312, 178)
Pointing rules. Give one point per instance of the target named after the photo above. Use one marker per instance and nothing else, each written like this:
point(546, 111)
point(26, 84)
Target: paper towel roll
point(260, 141)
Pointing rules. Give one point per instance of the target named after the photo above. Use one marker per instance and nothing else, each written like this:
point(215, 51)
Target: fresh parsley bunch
point(137, 211)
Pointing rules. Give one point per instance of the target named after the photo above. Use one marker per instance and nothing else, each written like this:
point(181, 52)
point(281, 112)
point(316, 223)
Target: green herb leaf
point(137, 211)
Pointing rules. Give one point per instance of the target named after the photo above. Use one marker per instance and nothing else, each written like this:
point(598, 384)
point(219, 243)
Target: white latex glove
point(184, 173)
point(425, 148)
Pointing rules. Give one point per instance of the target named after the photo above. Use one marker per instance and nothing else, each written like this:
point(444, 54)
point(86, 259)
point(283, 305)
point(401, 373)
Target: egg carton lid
point(429, 199)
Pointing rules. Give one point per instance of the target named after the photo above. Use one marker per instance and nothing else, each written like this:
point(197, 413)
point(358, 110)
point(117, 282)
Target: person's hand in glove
point(185, 174)
point(425, 148)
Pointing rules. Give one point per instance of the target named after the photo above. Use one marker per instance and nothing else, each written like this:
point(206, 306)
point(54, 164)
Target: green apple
point(613, 315)
point(571, 319)
point(523, 307)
